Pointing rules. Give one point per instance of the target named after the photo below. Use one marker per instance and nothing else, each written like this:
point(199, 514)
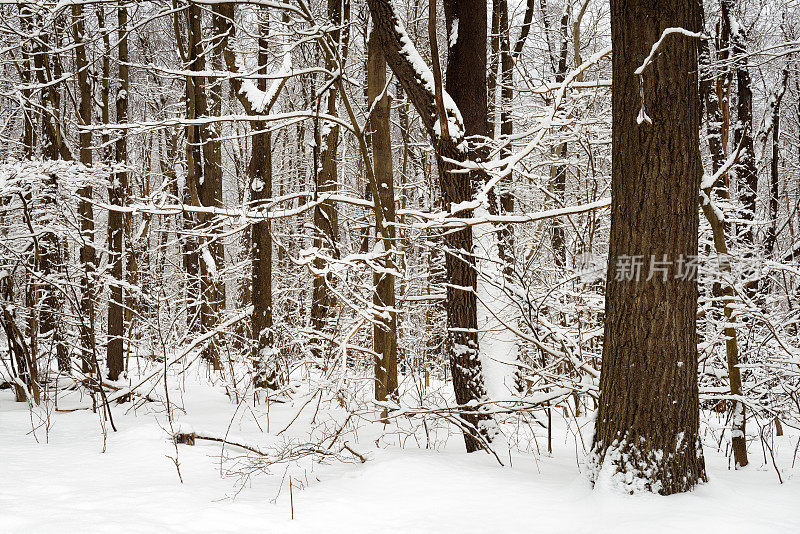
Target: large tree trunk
point(646, 431)
point(384, 332)
point(116, 193)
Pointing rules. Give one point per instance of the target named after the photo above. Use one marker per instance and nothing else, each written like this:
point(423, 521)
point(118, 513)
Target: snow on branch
point(262, 101)
point(413, 72)
point(502, 168)
point(455, 123)
point(448, 220)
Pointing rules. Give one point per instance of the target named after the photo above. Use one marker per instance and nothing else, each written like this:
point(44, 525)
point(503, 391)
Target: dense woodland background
point(263, 190)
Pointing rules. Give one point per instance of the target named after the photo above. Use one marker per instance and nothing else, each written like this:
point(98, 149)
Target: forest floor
point(67, 476)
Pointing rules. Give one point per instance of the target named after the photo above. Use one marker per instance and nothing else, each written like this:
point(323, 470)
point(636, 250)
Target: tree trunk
point(384, 332)
point(54, 147)
point(726, 293)
point(53, 143)
point(646, 431)
point(260, 171)
point(775, 116)
point(326, 220)
point(85, 212)
point(209, 188)
point(505, 234)
point(205, 187)
point(29, 125)
point(746, 171)
point(466, 83)
point(558, 170)
point(116, 193)
point(194, 170)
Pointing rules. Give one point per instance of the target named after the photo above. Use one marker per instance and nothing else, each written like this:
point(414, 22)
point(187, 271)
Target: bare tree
point(85, 211)
point(384, 332)
point(326, 149)
point(466, 89)
point(116, 193)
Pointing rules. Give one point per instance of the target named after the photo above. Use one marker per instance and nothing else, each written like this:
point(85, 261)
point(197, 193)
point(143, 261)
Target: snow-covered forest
point(399, 266)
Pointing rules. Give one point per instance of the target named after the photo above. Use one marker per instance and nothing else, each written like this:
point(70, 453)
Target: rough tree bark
point(646, 431)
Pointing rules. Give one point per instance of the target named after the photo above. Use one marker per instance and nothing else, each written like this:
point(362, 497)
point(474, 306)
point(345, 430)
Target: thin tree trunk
point(715, 126)
point(505, 235)
point(746, 171)
point(576, 39)
point(384, 332)
point(29, 125)
point(194, 170)
point(326, 220)
point(116, 193)
point(466, 83)
point(209, 188)
point(260, 171)
point(54, 147)
point(85, 212)
point(558, 170)
point(494, 63)
point(205, 187)
point(775, 115)
point(646, 430)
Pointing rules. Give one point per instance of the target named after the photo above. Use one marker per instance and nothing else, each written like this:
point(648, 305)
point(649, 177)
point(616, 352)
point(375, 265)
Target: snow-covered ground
point(62, 481)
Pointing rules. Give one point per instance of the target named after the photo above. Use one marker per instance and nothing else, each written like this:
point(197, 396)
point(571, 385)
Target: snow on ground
point(65, 483)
